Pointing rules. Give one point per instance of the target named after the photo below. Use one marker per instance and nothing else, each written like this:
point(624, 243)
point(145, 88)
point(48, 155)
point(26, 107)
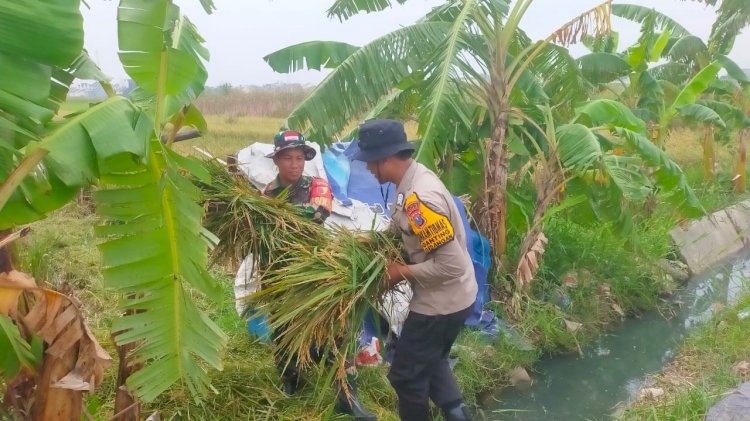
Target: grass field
point(227, 134)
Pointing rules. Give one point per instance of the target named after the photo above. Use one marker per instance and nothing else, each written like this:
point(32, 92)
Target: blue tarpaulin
point(479, 250)
point(336, 164)
point(363, 186)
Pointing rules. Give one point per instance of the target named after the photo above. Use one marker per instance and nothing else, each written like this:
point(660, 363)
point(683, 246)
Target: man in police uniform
point(439, 270)
point(314, 196)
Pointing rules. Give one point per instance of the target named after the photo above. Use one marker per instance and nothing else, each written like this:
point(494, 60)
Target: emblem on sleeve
point(414, 213)
point(433, 229)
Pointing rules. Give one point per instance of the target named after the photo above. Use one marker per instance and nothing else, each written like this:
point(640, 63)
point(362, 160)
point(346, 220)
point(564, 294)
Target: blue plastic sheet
point(257, 325)
point(479, 251)
point(336, 164)
point(363, 186)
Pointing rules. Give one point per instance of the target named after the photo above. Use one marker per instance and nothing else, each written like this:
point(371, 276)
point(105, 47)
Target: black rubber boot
point(352, 406)
point(458, 413)
point(289, 383)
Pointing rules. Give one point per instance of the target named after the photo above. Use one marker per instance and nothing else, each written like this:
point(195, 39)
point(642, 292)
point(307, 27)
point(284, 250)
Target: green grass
point(227, 134)
point(702, 372)
point(60, 252)
point(608, 274)
point(716, 193)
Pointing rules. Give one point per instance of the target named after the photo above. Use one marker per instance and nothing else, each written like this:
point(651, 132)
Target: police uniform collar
point(407, 179)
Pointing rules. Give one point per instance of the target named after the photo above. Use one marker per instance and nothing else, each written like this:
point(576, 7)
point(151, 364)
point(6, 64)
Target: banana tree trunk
point(127, 407)
point(19, 390)
point(496, 175)
point(549, 177)
point(660, 135)
point(740, 184)
point(52, 403)
point(6, 260)
point(709, 157)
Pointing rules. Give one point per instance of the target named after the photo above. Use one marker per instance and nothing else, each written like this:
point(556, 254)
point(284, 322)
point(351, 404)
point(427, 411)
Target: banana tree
point(685, 106)
point(732, 16)
point(642, 84)
point(459, 70)
point(731, 103)
point(503, 80)
point(344, 9)
point(601, 165)
point(741, 98)
point(709, 121)
point(41, 51)
point(153, 246)
point(686, 53)
point(660, 93)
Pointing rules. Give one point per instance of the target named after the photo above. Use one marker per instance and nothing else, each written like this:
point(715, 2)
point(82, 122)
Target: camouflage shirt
point(301, 194)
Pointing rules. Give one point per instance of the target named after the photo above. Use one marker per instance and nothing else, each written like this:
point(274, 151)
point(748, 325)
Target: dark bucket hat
point(379, 139)
point(289, 140)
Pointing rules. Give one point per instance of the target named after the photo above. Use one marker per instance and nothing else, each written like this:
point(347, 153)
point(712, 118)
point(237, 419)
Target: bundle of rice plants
point(316, 285)
point(316, 298)
point(246, 222)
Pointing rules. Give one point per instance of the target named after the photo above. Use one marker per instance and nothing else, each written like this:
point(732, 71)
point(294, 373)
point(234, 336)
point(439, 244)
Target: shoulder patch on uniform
point(433, 229)
point(321, 194)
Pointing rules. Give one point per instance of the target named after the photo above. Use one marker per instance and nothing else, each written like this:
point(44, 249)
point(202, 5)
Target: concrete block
point(740, 216)
point(707, 242)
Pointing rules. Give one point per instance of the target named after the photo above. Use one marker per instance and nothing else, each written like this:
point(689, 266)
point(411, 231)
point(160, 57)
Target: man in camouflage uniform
point(314, 196)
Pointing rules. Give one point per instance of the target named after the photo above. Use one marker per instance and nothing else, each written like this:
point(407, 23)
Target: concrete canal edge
point(704, 243)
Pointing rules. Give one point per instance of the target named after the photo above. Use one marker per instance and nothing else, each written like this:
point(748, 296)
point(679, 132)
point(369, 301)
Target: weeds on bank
point(703, 372)
point(591, 276)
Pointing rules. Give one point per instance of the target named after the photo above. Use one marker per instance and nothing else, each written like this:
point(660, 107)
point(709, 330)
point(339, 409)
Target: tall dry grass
point(267, 101)
point(228, 134)
point(684, 145)
point(240, 116)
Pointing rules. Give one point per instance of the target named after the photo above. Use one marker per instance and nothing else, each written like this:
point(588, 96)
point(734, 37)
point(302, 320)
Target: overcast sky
point(240, 32)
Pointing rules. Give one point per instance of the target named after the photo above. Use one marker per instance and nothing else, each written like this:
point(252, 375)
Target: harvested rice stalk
point(319, 296)
point(246, 222)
